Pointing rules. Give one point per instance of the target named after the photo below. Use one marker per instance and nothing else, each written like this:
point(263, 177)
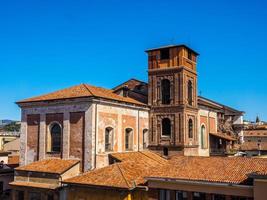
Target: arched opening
point(190, 92)
point(54, 144)
point(129, 139)
point(166, 127)
point(190, 128)
point(145, 138)
point(203, 136)
point(109, 139)
point(166, 91)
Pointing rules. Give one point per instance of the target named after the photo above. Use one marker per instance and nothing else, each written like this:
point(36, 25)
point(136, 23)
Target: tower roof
point(172, 46)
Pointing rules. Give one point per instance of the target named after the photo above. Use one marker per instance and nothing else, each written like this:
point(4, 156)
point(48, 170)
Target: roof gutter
point(193, 182)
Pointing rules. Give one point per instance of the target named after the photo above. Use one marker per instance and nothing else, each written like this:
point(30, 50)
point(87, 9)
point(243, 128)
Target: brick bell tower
point(172, 96)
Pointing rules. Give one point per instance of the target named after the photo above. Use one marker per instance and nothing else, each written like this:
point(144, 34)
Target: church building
point(87, 123)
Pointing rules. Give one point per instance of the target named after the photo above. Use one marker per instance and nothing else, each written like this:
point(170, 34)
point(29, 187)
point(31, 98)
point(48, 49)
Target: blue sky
point(49, 45)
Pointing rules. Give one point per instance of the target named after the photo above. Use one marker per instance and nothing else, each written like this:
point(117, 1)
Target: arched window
point(190, 128)
point(166, 127)
point(109, 139)
point(145, 138)
point(190, 92)
point(203, 136)
point(129, 139)
point(55, 138)
point(165, 91)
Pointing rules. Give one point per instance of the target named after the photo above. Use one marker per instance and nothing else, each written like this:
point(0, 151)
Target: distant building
point(6, 137)
point(7, 164)
point(255, 139)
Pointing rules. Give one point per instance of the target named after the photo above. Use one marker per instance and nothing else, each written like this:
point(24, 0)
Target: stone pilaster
point(42, 137)
point(66, 136)
point(23, 139)
point(88, 140)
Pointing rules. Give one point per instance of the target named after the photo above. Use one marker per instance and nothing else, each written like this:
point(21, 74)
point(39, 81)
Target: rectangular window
point(180, 195)
point(164, 195)
point(34, 196)
point(164, 54)
point(199, 196)
point(50, 197)
point(1, 187)
point(218, 197)
point(20, 195)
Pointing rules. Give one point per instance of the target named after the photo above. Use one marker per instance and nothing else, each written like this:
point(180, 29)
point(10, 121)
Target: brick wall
point(76, 143)
point(33, 122)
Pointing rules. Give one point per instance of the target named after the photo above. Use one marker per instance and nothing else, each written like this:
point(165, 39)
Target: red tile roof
point(136, 167)
point(34, 185)
point(255, 133)
point(141, 156)
point(53, 165)
point(82, 90)
point(253, 146)
point(13, 159)
point(126, 174)
point(224, 136)
point(212, 169)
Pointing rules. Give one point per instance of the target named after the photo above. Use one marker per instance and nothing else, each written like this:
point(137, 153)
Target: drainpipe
point(138, 131)
point(209, 129)
point(96, 104)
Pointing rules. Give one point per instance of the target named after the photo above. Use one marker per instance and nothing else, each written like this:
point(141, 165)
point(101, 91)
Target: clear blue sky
point(52, 44)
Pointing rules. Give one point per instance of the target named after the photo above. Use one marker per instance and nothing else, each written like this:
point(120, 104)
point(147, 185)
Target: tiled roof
point(55, 166)
point(136, 167)
point(131, 84)
point(212, 169)
point(132, 169)
point(82, 90)
point(13, 159)
point(141, 156)
point(253, 146)
point(224, 136)
point(34, 185)
point(255, 133)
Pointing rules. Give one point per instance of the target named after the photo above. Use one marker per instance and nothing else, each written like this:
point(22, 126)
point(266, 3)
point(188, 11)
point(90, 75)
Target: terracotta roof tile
point(212, 169)
point(141, 156)
point(13, 159)
point(253, 146)
point(56, 166)
point(255, 133)
point(34, 185)
point(132, 169)
point(224, 136)
point(136, 167)
point(82, 90)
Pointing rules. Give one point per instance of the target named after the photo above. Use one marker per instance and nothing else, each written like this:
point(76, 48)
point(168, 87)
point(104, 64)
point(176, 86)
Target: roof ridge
point(87, 88)
point(123, 176)
point(150, 157)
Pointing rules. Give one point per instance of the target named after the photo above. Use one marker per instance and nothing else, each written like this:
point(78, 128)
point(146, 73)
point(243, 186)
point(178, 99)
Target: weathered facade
point(89, 124)
point(83, 125)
